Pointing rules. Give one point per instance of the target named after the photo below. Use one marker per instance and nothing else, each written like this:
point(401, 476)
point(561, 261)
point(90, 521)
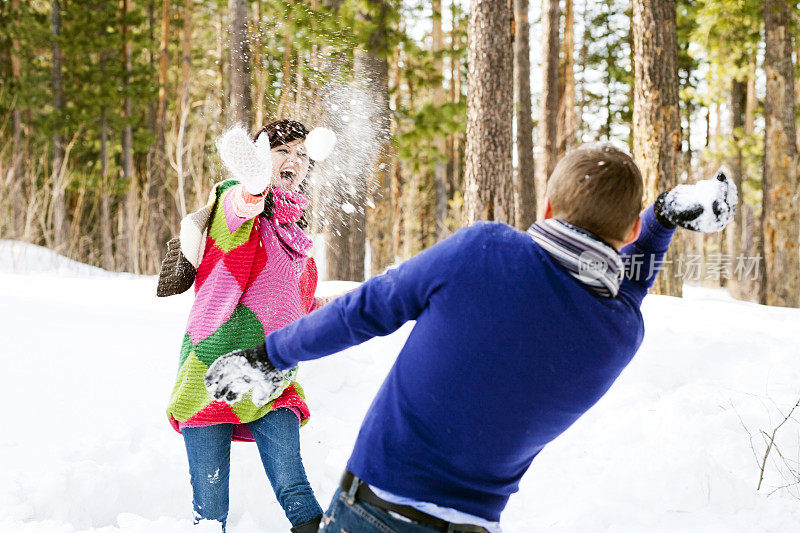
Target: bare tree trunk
point(797, 83)
point(440, 165)
point(18, 211)
point(348, 251)
point(780, 188)
point(456, 178)
point(397, 207)
point(548, 99)
point(379, 218)
point(184, 106)
point(286, 83)
point(748, 288)
point(656, 118)
point(489, 191)
point(584, 55)
point(259, 72)
point(59, 201)
point(220, 55)
point(106, 234)
point(397, 178)
point(751, 101)
point(374, 66)
point(157, 232)
point(239, 110)
point(566, 109)
point(525, 186)
point(299, 107)
point(131, 223)
point(163, 68)
point(186, 54)
point(733, 232)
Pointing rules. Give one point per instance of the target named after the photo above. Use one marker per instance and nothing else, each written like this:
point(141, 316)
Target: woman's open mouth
point(288, 175)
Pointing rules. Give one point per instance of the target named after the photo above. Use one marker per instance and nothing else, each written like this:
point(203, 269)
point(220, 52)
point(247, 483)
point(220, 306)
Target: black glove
point(706, 206)
point(235, 373)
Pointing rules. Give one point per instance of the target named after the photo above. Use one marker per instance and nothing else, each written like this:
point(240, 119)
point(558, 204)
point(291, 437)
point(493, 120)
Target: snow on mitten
point(706, 206)
point(249, 162)
point(234, 374)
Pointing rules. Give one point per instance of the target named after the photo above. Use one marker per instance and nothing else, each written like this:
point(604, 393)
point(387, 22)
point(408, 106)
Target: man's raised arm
point(706, 206)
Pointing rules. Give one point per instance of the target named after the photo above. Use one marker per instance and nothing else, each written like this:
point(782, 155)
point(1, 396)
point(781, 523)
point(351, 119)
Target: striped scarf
point(585, 256)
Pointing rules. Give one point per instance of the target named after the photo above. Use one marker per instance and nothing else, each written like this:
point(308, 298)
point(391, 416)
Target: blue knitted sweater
point(508, 351)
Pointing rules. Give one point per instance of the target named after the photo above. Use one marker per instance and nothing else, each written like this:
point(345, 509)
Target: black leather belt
point(360, 491)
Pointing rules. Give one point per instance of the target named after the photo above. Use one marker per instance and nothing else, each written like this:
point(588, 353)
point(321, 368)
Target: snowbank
point(92, 357)
point(23, 258)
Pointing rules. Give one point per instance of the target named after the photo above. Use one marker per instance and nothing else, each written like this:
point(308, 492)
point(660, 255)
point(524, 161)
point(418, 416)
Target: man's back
point(507, 352)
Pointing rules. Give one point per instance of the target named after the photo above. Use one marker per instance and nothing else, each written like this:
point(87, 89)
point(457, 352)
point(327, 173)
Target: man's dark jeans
point(346, 515)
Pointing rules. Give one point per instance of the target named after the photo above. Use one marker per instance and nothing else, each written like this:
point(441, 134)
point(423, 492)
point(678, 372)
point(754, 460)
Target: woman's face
point(290, 164)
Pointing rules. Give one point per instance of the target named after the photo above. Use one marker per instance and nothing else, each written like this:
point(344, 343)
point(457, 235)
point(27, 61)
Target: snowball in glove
point(249, 162)
point(235, 373)
point(706, 206)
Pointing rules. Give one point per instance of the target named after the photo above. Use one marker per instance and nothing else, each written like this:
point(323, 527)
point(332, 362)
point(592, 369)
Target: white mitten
point(320, 143)
point(248, 162)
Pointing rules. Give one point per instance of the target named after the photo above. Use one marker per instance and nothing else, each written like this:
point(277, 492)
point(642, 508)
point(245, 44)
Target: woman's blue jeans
point(278, 438)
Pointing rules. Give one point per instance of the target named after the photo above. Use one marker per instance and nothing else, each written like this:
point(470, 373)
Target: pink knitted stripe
point(214, 303)
point(274, 294)
point(230, 209)
point(274, 303)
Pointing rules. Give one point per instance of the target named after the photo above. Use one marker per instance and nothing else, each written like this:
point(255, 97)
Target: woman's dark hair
point(283, 132)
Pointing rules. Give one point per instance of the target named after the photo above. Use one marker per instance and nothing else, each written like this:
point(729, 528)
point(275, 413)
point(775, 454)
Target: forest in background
point(109, 111)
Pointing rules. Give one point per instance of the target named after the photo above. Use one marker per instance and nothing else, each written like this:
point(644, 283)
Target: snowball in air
point(320, 143)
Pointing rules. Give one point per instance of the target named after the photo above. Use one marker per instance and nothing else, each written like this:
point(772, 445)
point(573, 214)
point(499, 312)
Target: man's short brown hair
point(599, 188)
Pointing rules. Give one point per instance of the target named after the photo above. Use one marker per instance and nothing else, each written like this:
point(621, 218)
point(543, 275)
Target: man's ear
point(634, 233)
point(548, 209)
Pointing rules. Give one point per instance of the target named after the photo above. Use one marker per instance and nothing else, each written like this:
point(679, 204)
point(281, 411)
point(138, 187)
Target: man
point(517, 335)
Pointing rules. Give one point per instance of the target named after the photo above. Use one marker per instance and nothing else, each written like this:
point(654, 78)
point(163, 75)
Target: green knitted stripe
point(242, 330)
point(247, 411)
point(223, 238)
point(189, 394)
point(186, 348)
point(225, 185)
point(300, 391)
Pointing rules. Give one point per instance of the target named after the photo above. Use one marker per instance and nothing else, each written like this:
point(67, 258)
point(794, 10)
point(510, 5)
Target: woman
point(255, 276)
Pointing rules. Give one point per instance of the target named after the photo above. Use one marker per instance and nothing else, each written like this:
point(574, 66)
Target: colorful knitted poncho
point(254, 277)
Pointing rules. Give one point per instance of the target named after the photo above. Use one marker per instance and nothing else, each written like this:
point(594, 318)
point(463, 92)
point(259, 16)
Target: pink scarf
point(287, 206)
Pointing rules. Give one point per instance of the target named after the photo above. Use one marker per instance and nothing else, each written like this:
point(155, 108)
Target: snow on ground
point(90, 359)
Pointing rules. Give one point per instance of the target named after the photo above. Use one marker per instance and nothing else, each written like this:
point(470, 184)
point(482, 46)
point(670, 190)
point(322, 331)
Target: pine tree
point(488, 177)
point(780, 182)
point(59, 202)
point(567, 126)
point(525, 183)
point(656, 122)
point(239, 107)
point(548, 98)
